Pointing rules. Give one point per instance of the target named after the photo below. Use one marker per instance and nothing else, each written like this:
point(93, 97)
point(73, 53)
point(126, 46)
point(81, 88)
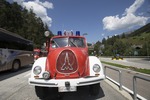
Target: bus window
point(15, 51)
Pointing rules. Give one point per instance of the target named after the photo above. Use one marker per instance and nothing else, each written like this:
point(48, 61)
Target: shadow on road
point(7, 74)
point(81, 94)
point(146, 59)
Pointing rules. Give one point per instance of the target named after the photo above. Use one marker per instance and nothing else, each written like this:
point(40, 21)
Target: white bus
point(15, 51)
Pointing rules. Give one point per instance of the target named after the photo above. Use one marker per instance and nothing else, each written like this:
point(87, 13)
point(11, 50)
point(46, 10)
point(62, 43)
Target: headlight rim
point(48, 73)
point(98, 68)
point(37, 71)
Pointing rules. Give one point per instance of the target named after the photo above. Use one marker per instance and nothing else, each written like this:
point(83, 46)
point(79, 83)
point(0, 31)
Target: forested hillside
point(19, 20)
point(136, 43)
point(144, 29)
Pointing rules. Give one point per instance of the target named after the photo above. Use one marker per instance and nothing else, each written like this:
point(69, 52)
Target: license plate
point(67, 89)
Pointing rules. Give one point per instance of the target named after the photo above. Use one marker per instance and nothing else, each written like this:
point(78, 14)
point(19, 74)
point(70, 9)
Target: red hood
point(68, 63)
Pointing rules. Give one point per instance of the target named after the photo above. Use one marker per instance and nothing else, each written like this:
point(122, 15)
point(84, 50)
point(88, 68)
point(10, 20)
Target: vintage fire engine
point(67, 66)
point(36, 54)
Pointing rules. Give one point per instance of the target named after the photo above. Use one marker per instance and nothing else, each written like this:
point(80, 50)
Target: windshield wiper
point(73, 43)
point(56, 43)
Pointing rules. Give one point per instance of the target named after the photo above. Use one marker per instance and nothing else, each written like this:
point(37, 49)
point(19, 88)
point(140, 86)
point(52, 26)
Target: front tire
point(94, 89)
point(41, 92)
point(16, 65)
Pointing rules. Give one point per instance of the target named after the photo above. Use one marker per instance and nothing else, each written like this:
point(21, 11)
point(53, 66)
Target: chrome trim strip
point(42, 83)
point(89, 81)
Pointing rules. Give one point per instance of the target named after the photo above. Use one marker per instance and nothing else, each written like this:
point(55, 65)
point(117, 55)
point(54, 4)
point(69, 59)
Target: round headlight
point(46, 75)
point(37, 70)
point(96, 68)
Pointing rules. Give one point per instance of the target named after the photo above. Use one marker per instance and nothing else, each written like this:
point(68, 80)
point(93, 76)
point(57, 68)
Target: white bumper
point(61, 82)
point(67, 84)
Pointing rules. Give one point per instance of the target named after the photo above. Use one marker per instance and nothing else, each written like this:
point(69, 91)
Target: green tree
point(108, 50)
point(97, 48)
point(120, 47)
point(19, 20)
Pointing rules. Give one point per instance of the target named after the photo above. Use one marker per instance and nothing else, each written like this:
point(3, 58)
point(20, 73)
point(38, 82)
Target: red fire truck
point(67, 66)
point(37, 53)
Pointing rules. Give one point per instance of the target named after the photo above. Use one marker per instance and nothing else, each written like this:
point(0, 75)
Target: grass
point(145, 71)
point(137, 40)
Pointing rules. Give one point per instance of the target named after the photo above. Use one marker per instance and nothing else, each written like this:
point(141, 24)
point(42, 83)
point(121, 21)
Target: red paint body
point(68, 61)
point(36, 53)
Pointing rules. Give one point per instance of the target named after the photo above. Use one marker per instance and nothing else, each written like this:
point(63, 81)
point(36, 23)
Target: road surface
point(14, 86)
point(134, 62)
point(143, 87)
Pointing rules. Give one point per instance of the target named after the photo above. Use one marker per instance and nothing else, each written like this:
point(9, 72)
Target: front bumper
point(61, 82)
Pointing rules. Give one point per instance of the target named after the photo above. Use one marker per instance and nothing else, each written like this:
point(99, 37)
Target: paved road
point(14, 86)
point(143, 87)
point(135, 62)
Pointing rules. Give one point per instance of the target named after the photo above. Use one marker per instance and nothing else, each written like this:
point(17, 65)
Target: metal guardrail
point(120, 75)
point(135, 83)
point(134, 92)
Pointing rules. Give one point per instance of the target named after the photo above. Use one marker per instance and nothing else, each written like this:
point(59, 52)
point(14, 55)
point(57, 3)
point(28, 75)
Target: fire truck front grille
point(66, 62)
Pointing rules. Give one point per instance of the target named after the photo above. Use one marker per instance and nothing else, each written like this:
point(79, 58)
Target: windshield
point(68, 42)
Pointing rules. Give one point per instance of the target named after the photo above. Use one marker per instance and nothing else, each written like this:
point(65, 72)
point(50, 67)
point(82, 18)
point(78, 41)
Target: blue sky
point(97, 18)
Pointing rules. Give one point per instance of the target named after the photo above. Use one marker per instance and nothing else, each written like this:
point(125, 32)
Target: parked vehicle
point(67, 66)
point(15, 51)
point(117, 57)
point(37, 53)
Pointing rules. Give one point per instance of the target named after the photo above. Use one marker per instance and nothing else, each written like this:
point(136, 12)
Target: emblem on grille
point(66, 65)
point(66, 62)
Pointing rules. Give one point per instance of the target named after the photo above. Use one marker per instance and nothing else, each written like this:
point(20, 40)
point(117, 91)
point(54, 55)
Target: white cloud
point(132, 9)
point(45, 4)
point(39, 8)
point(19, 1)
point(102, 34)
point(127, 20)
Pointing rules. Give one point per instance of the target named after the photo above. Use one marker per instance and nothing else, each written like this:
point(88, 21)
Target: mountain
point(144, 29)
point(136, 43)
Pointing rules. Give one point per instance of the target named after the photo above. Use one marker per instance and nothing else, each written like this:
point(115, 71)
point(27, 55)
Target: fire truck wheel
point(94, 89)
point(41, 92)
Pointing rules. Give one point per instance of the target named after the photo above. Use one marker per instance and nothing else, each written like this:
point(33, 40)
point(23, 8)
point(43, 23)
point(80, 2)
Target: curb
point(122, 92)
